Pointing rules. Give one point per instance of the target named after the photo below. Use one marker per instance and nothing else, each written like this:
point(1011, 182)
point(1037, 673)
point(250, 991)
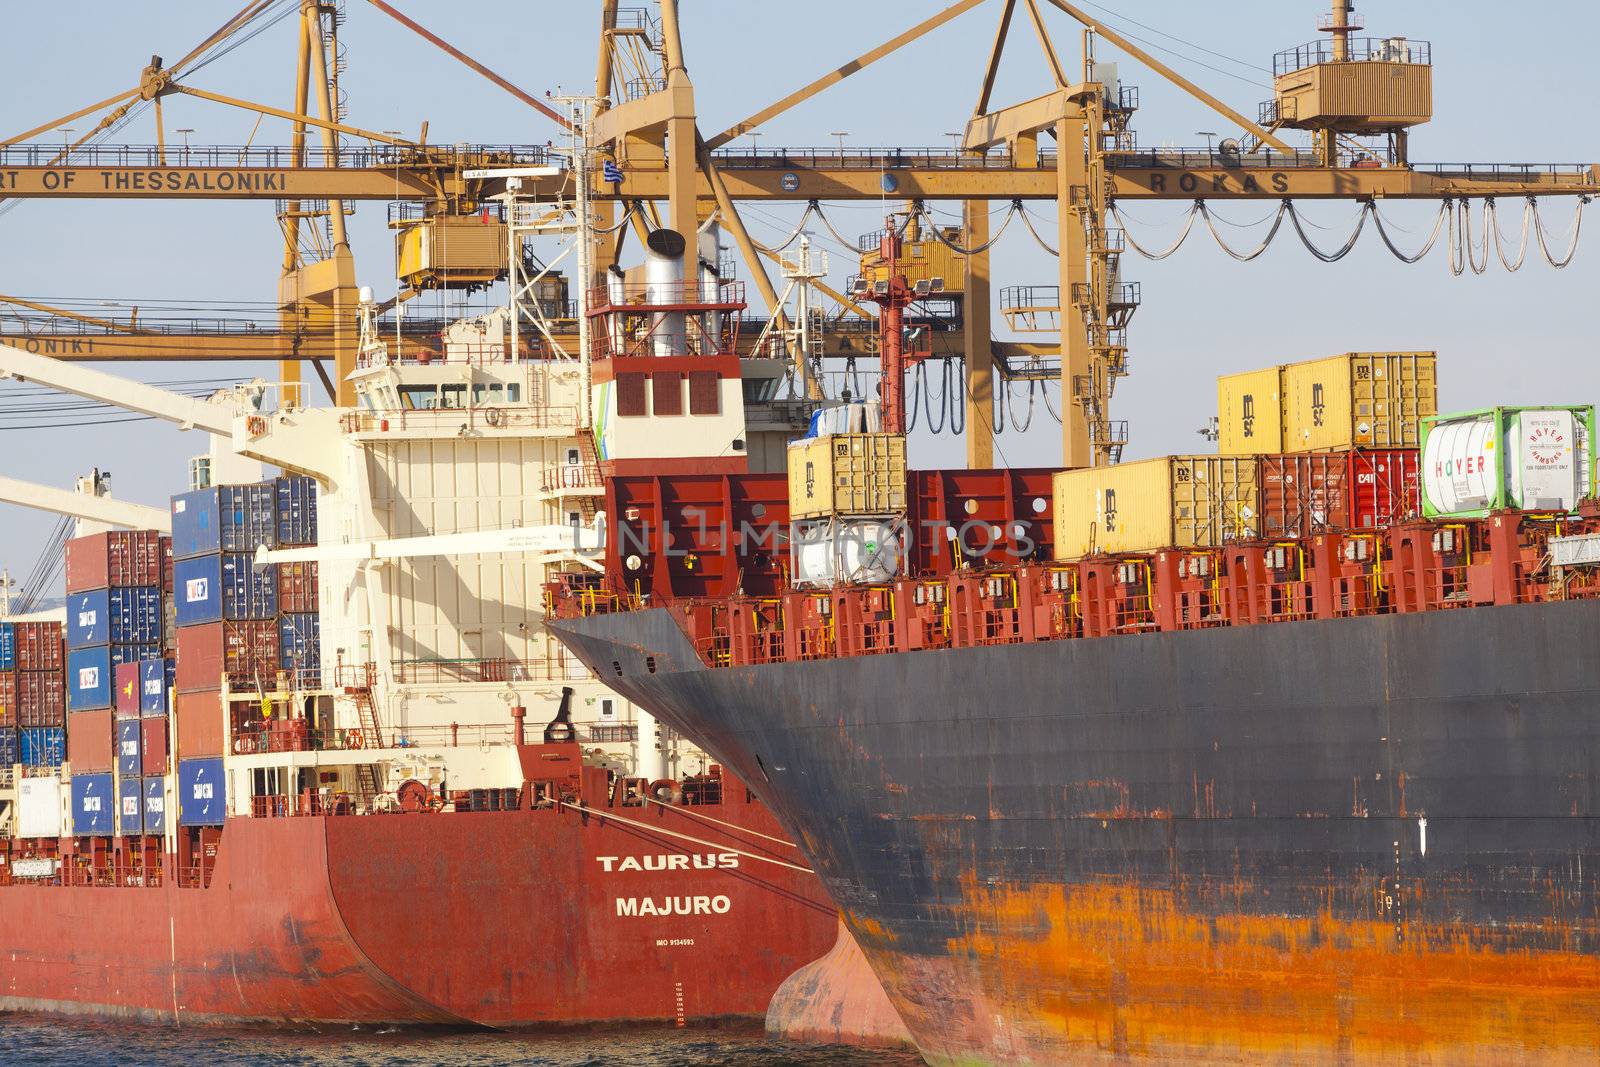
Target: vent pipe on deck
point(663, 277)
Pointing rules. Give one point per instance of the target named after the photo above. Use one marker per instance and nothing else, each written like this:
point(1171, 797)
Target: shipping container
point(166, 564)
point(10, 747)
point(8, 647)
point(116, 558)
point(296, 501)
point(41, 698)
point(299, 642)
point(197, 725)
point(8, 699)
point(119, 616)
point(224, 518)
point(1533, 458)
point(125, 687)
point(155, 805)
point(130, 742)
point(226, 587)
point(153, 746)
point(847, 474)
point(155, 683)
point(90, 672)
point(42, 746)
point(1358, 400)
point(824, 552)
point(38, 645)
point(243, 651)
point(1309, 493)
point(1172, 502)
point(39, 807)
point(297, 587)
point(91, 741)
point(130, 806)
point(202, 793)
point(93, 805)
point(1250, 412)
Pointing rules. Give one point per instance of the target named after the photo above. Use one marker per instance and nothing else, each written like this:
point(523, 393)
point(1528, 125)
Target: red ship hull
point(501, 919)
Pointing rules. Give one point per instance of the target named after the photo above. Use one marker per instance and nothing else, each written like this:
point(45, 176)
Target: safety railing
point(740, 158)
point(462, 420)
point(36, 154)
point(1357, 50)
point(558, 476)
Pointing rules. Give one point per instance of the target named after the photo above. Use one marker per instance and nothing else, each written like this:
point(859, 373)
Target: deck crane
point(87, 502)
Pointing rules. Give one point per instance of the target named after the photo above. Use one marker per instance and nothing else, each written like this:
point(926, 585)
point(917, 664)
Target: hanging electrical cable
point(1576, 229)
point(1438, 227)
point(933, 227)
point(1028, 221)
point(916, 397)
point(1021, 425)
point(1183, 235)
point(1051, 408)
point(1243, 257)
point(959, 406)
point(944, 406)
point(997, 407)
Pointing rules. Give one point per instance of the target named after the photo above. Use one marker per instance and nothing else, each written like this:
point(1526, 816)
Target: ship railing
point(280, 157)
point(558, 476)
point(102, 877)
point(194, 877)
point(458, 671)
point(466, 420)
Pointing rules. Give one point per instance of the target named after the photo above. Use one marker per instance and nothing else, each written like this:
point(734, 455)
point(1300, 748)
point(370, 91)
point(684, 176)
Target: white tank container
point(1535, 459)
point(857, 551)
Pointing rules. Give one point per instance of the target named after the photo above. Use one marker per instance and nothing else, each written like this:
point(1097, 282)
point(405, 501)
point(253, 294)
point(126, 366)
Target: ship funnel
point(663, 277)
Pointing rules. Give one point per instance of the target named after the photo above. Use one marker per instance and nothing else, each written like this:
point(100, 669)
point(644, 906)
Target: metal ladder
point(368, 784)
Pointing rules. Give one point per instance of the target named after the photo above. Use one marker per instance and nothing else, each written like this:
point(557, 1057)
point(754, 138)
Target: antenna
point(6, 585)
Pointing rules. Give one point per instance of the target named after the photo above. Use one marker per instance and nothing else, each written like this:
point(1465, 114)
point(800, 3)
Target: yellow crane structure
point(1071, 146)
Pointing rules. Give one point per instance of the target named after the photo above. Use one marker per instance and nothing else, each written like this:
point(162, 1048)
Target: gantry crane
point(1336, 90)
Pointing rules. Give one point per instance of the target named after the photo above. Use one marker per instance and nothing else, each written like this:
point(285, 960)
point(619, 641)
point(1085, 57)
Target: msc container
point(42, 746)
point(41, 698)
point(155, 682)
point(166, 563)
point(38, 645)
point(153, 746)
point(91, 741)
point(119, 616)
point(8, 647)
point(244, 651)
point(39, 807)
point(1309, 493)
point(93, 805)
point(224, 518)
point(218, 587)
point(202, 794)
point(1358, 400)
point(197, 719)
point(130, 806)
point(1172, 502)
point(10, 752)
point(1250, 412)
point(155, 805)
point(8, 700)
point(296, 504)
point(118, 557)
point(299, 642)
point(297, 587)
point(1533, 458)
point(130, 742)
point(89, 672)
point(847, 474)
point(125, 688)
point(836, 550)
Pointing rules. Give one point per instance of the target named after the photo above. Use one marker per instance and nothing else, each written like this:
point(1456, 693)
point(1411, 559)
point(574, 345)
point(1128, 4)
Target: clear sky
point(1511, 85)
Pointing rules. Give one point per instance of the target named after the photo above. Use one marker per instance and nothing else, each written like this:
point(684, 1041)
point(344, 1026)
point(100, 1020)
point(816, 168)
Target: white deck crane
point(582, 544)
point(85, 504)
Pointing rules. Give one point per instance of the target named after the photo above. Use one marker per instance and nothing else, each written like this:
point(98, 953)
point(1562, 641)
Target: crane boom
point(84, 505)
point(579, 540)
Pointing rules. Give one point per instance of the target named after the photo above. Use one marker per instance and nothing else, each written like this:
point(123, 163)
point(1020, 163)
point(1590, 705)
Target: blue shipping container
point(42, 746)
point(128, 762)
point(155, 682)
point(300, 642)
point(123, 616)
point(10, 752)
point(93, 805)
point(224, 518)
point(155, 805)
point(297, 509)
point(202, 794)
point(223, 588)
point(89, 672)
point(8, 647)
point(130, 810)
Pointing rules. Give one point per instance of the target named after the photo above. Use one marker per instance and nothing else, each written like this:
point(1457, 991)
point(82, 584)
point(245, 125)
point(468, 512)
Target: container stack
point(33, 694)
point(227, 607)
point(847, 505)
point(299, 624)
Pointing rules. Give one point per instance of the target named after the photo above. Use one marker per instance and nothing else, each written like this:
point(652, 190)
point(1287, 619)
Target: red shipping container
point(1384, 487)
point(119, 557)
point(197, 720)
point(40, 647)
point(297, 587)
point(125, 690)
point(166, 564)
point(1304, 494)
point(153, 745)
point(91, 741)
point(243, 651)
point(41, 698)
point(8, 698)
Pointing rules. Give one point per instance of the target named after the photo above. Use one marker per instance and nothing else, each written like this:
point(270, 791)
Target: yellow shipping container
point(1250, 412)
point(1175, 501)
point(1359, 400)
point(847, 474)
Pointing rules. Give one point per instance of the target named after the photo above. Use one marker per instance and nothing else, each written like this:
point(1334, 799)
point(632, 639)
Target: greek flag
point(611, 172)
